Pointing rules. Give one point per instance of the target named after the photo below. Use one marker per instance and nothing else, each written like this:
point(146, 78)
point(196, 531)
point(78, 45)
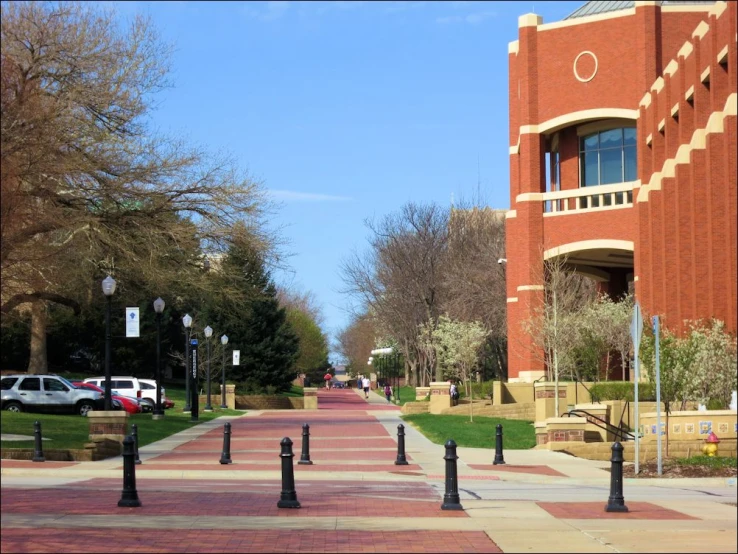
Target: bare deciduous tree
point(475, 281)
point(87, 188)
point(551, 326)
point(400, 278)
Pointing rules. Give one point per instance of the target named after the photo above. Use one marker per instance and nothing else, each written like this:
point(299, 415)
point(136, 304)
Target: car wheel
point(147, 405)
point(85, 407)
point(16, 407)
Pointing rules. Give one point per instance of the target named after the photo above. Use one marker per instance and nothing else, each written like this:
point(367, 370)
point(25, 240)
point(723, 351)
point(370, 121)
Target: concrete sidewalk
point(539, 501)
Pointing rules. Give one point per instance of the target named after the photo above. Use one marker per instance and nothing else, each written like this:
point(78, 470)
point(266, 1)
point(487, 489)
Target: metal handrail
point(595, 400)
point(606, 425)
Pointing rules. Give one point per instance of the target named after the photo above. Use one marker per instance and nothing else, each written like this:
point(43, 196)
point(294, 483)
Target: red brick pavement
point(596, 510)
point(277, 466)
point(536, 470)
point(244, 454)
point(211, 444)
point(333, 502)
point(84, 540)
point(347, 399)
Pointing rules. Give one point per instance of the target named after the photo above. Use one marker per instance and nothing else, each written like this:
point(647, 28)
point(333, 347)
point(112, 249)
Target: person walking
point(366, 384)
point(454, 394)
point(388, 392)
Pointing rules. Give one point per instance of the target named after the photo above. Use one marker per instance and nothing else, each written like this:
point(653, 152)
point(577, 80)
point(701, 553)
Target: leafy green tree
point(313, 356)
point(256, 324)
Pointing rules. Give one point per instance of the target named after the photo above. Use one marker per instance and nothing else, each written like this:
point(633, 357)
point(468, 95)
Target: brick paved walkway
point(344, 436)
point(353, 497)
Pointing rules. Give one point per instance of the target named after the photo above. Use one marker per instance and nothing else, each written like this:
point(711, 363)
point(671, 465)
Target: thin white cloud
point(472, 18)
point(294, 196)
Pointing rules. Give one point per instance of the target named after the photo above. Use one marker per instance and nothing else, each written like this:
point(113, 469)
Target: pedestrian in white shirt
point(366, 384)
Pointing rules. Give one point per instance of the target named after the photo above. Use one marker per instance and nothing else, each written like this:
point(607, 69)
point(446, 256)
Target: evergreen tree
point(257, 326)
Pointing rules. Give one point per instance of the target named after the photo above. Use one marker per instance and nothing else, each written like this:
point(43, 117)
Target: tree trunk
point(37, 362)
point(471, 402)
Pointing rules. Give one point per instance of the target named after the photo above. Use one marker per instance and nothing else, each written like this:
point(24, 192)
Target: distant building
point(623, 158)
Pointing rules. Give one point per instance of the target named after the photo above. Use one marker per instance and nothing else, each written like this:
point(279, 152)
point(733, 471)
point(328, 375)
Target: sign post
point(236, 357)
point(636, 332)
point(194, 392)
point(132, 321)
point(657, 363)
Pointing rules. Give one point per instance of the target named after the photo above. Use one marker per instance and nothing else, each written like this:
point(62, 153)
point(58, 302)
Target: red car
point(130, 405)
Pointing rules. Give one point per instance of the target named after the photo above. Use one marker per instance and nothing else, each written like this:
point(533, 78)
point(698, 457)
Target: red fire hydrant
point(711, 445)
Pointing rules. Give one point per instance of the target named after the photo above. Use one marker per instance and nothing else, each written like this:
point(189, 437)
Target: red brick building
point(623, 158)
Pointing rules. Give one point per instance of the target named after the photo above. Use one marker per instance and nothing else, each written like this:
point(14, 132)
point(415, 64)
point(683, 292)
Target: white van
point(143, 389)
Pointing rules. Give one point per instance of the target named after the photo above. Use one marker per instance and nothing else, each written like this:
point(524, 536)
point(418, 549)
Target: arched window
point(608, 157)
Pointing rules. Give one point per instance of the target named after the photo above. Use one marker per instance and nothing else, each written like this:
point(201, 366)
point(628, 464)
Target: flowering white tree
point(610, 322)
point(457, 345)
point(700, 366)
point(712, 352)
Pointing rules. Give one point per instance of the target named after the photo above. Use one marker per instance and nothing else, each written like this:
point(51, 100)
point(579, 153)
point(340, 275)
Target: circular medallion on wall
point(585, 66)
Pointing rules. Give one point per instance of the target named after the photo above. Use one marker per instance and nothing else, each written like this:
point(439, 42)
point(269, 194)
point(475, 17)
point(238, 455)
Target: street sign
point(636, 326)
point(132, 322)
point(236, 357)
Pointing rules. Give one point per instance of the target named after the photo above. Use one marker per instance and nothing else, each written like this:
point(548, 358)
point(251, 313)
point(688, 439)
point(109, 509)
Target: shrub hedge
point(620, 390)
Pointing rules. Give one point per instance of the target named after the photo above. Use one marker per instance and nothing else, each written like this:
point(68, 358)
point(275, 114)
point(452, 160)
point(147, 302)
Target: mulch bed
point(670, 470)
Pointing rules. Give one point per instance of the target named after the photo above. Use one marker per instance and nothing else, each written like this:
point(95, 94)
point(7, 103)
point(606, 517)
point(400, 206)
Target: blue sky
point(345, 110)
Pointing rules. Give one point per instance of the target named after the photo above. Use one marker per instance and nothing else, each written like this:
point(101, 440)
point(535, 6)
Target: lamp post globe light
point(187, 322)
point(223, 341)
point(159, 309)
point(108, 287)
point(208, 333)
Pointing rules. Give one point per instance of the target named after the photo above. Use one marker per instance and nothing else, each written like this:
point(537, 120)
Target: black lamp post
point(223, 341)
point(208, 333)
point(158, 308)
point(187, 322)
point(108, 286)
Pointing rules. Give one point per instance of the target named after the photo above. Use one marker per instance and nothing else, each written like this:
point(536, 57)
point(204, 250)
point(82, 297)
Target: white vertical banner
point(132, 322)
point(236, 357)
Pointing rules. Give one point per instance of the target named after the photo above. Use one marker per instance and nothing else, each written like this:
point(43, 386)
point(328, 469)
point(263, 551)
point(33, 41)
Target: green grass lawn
point(517, 435)
point(72, 431)
point(406, 394)
point(707, 461)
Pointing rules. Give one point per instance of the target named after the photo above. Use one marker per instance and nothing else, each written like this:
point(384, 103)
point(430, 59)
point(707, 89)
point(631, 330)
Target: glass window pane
point(30, 383)
point(589, 169)
point(590, 142)
point(631, 167)
point(611, 139)
point(611, 166)
point(629, 136)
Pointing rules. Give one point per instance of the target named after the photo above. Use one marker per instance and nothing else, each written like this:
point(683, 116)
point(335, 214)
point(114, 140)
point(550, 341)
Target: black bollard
point(134, 433)
point(498, 446)
point(225, 456)
point(451, 499)
point(288, 497)
point(38, 451)
point(401, 460)
point(616, 502)
point(129, 497)
point(305, 457)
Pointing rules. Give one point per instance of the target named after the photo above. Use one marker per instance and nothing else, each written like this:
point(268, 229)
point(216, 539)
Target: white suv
point(143, 389)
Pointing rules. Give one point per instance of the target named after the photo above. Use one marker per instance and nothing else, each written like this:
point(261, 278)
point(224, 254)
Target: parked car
point(143, 389)
point(127, 403)
point(47, 393)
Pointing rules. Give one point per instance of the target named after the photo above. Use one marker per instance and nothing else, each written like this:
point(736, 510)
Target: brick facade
point(670, 72)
